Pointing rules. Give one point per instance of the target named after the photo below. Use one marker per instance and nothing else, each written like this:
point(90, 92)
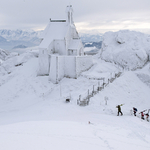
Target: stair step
point(111, 80)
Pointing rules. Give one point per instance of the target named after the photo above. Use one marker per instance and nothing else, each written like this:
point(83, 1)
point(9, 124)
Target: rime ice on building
point(61, 50)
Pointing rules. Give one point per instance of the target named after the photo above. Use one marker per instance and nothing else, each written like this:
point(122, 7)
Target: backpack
point(135, 109)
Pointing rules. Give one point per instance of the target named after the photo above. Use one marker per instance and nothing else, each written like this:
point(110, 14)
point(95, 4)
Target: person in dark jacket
point(147, 117)
point(119, 109)
point(134, 111)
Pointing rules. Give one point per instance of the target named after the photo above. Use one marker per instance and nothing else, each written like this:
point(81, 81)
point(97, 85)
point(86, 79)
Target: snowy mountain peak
point(19, 34)
point(13, 38)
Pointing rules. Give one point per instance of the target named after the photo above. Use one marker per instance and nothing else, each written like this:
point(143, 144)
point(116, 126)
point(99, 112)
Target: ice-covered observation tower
point(61, 50)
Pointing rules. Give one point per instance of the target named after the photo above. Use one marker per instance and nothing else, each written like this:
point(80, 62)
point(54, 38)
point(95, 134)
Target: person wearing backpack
point(147, 115)
point(142, 114)
point(119, 109)
point(134, 111)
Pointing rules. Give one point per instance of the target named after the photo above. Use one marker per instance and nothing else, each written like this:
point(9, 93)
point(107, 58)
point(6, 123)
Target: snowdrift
point(129, 49)
point(13, 60)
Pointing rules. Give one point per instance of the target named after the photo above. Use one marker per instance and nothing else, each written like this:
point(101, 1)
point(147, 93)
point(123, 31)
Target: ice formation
point(129, 49)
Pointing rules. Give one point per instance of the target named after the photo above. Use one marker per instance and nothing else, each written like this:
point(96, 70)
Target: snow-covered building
point(61, 50)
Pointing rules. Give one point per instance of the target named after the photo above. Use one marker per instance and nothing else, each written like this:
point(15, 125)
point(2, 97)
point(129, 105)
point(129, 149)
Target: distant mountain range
point(13, 38)
point(21, 35)
point(93, 44)
point(10, 39)
point(91, 37)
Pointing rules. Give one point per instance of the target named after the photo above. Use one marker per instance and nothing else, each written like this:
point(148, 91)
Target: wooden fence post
point(79, 97)
point(88, 98)
point(78, 101)
point(93, 91)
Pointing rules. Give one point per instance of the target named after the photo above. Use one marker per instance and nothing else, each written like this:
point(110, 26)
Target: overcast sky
point(89, 15)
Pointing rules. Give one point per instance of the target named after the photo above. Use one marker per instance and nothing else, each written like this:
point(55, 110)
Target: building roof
point(53, 31)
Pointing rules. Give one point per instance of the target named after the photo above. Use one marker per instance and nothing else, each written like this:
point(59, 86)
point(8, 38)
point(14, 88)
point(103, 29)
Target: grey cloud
point(36, 13)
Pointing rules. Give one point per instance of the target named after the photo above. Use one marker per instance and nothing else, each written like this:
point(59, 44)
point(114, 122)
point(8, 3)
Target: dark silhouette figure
point(142, 114)
point(147, 117)
point(119, 109)
point(134, 111)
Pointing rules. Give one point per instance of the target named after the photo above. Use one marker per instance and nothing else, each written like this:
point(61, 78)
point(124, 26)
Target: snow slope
point(34, 114)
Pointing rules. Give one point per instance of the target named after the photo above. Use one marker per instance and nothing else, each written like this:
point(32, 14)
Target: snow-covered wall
point(83, 63)
point(68, 66)
point(50, 48)
point(68, 37)
point(44, 62)
point(59, 47)
point(53, 74)
point(129, 49)
point(61, 67)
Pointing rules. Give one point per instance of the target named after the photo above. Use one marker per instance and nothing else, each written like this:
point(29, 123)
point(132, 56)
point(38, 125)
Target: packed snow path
point(105, 132)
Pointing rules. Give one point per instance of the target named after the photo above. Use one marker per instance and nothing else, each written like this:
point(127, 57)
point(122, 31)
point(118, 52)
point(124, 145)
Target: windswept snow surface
point(34, 114)
point(129, 49)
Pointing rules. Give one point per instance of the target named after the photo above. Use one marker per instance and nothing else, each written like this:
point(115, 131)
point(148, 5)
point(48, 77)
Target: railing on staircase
point(85, 98)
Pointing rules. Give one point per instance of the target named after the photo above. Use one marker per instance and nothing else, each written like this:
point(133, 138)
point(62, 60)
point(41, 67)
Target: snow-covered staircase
point(85, 101)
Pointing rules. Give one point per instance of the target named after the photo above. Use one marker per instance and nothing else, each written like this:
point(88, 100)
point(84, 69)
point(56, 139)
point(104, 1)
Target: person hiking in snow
point(119, 109)
point(134, 111)
point(142, 114)
point(147, 115)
